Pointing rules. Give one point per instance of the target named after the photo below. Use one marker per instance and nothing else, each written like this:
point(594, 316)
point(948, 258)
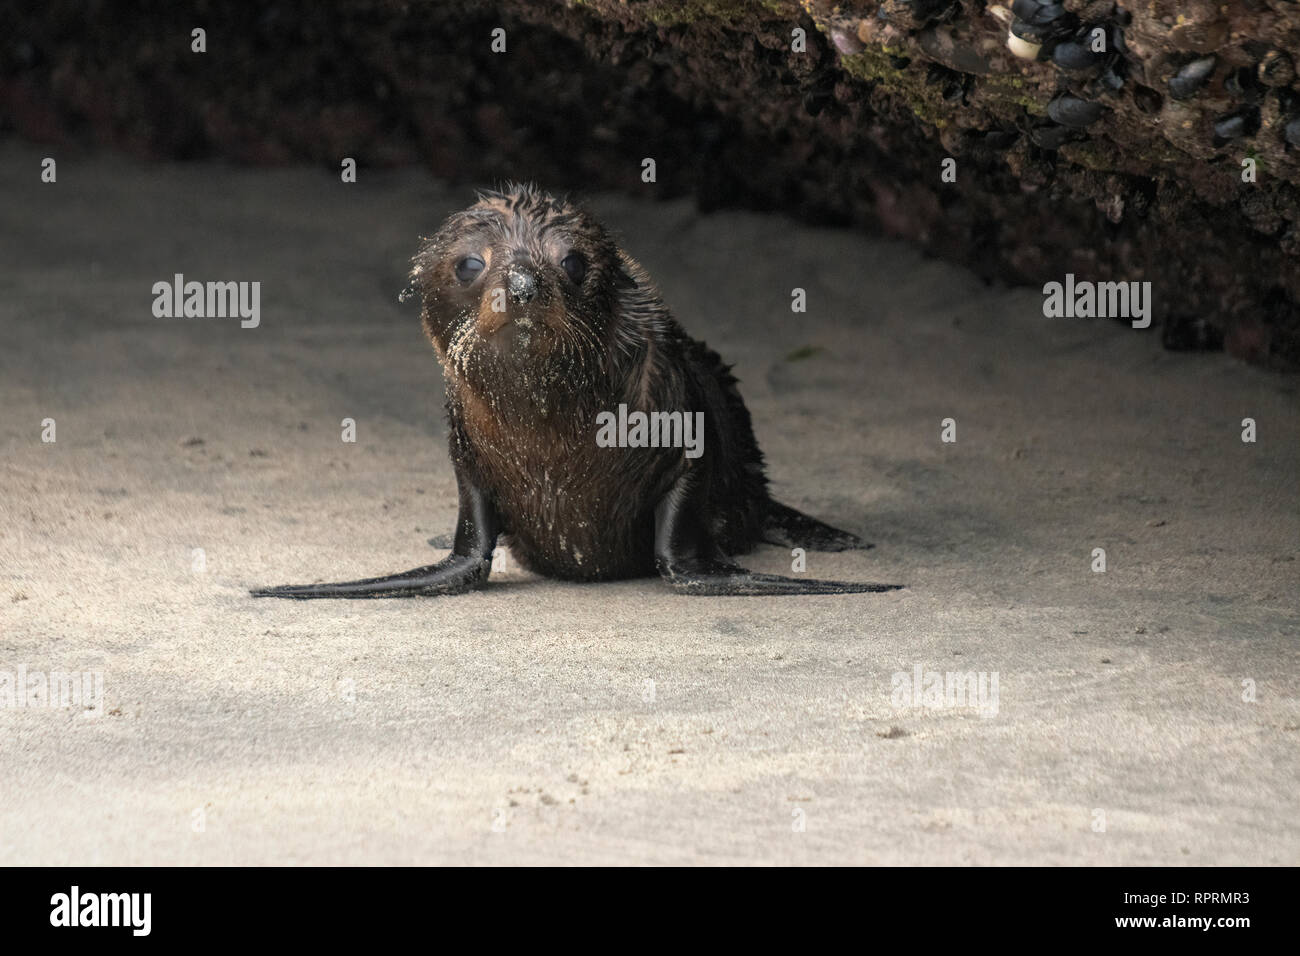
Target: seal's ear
point(623, 280)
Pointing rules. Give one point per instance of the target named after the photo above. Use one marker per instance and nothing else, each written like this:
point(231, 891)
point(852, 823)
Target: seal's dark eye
point(575, 266)
point(468, 268)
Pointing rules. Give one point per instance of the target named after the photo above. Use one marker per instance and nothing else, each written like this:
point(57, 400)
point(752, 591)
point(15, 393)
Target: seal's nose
point(522, 284)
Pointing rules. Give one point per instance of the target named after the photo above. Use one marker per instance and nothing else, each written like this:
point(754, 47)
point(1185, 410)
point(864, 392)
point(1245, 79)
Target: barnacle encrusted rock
point(1155, 141)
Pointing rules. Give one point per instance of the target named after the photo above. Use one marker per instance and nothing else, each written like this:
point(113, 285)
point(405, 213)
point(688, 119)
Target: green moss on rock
point(670, 13)
point(873, 65)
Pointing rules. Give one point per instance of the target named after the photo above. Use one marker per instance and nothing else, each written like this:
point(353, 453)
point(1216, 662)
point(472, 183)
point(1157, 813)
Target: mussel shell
point(1230, 126)
point(1184, 84)
point(1147, 100)
point(1027, 31)
point(1292, 132)
point(1072, 111)
point(1038, 13)
point(1025, 49)
point(1074, 57)
point(1235, 125)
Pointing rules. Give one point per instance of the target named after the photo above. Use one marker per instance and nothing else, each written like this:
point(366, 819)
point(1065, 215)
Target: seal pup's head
point(522, 295)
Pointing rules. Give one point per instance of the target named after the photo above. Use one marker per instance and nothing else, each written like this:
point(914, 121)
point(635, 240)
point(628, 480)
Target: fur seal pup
point(542, 323)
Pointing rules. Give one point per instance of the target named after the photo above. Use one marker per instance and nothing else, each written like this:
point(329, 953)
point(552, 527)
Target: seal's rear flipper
point(454, 574)
point(688, 559)
point(717, 579)
point(785, 526)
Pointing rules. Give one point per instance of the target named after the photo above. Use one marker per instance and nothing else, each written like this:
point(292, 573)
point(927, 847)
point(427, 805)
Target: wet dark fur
point(571, 509)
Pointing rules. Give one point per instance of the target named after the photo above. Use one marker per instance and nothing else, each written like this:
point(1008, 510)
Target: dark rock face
point(1089, 137)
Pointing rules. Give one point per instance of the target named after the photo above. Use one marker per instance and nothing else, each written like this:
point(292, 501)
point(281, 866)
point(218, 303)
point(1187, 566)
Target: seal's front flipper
point(466, 568)
point(454, 574)
point(785, 526)
point(687, 558)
